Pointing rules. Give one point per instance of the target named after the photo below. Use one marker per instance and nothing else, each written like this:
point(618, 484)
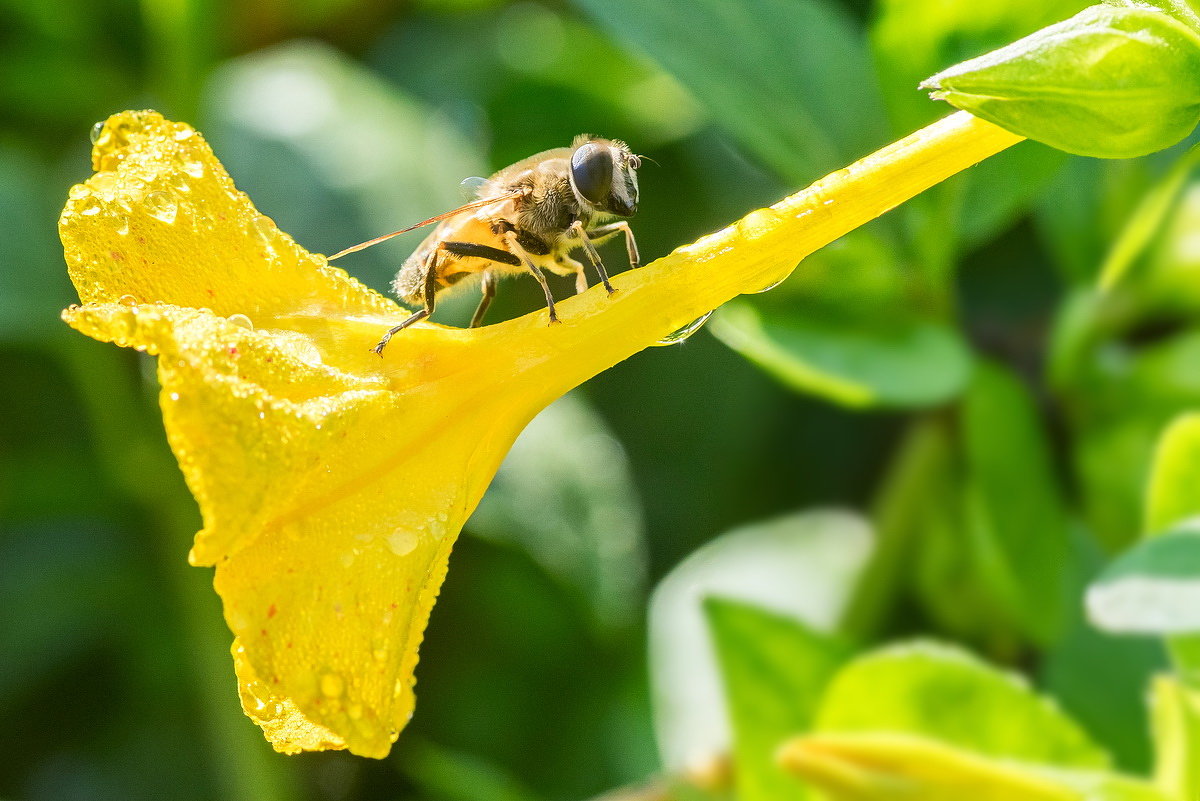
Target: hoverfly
point(528, 217)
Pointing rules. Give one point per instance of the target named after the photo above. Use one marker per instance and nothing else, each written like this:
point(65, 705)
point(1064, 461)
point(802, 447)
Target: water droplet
point(267, 231)
point(398, 688)
point(402, 541)
point(162, 206)
point(174, 396)
point(675, 337)
point(179, 183)
point(127, 300)
point(193, 168)
point(769, 287)
point(97, 129)
point(332, 685)
point(379, 651)
point(242, 321)
point(78, 192)
point(90, 207)
point(122, 225)
point(183, 132)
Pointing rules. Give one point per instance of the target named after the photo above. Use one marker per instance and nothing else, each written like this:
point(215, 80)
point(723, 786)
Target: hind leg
point(431, 288)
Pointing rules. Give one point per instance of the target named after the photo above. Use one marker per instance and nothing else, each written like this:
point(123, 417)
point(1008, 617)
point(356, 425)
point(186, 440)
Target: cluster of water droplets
point(117, 197)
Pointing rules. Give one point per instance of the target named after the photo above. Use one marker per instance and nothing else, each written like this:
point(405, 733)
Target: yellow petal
point(333, 483)
point(897, 767)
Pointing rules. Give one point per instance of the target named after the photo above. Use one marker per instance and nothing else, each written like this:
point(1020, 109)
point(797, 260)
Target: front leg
point(602, 233)
point(431, 289)
point(577, 231)
point(510, 239)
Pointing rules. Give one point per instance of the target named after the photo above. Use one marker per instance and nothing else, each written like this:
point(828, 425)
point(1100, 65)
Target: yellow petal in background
point(900, 767)
point(333, 483)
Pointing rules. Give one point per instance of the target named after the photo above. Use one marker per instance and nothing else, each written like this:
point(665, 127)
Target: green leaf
point(1175, 715)
point(1153, 588)
point(565, 494)
point(1014, 510)
point(762, 68)
point(801, 565)
point(1109, 82)
point(944, 693)
point(775, 669)
point(1172, 495)
point(1147, 221)
point(905, 364)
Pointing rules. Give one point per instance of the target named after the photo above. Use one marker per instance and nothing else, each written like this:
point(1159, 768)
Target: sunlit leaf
point(774, 669)
point(1175, 711)
point(945, 693)
point(1153, 588)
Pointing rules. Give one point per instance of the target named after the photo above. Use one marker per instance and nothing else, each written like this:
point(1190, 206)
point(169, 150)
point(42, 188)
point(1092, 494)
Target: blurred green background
point(937, 426)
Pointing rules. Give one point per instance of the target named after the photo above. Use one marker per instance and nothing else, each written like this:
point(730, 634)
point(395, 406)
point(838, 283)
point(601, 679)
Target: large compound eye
point(592, 172)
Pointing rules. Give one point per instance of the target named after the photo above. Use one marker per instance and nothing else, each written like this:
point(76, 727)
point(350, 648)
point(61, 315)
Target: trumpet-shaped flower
point(333, 483)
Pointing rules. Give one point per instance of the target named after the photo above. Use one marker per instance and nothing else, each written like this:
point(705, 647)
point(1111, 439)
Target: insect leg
point(577, 230)
point(489, 279)
point(575, 267)
point(602, 233)
point(431, 288)
point(510, 239)
point(489, 291)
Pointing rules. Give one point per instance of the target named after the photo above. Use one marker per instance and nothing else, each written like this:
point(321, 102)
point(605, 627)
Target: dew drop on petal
point(675, 337)
point(402, 541)
point(768, 287)
point(193, 168)
point(162, 206)
point(122, 225)
point(78, 192)
point(127, 300)
point(332, 685)
point(97, 129)
point(179, 183)
point(242, 321)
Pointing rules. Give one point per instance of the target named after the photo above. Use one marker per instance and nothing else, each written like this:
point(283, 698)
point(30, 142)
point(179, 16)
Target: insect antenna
point(478, 204)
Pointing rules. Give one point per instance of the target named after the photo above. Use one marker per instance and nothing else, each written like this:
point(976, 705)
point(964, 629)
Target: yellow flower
point(333, 483)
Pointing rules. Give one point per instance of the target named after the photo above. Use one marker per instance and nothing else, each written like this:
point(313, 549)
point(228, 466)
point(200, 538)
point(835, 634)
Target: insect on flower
point(528, 218)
